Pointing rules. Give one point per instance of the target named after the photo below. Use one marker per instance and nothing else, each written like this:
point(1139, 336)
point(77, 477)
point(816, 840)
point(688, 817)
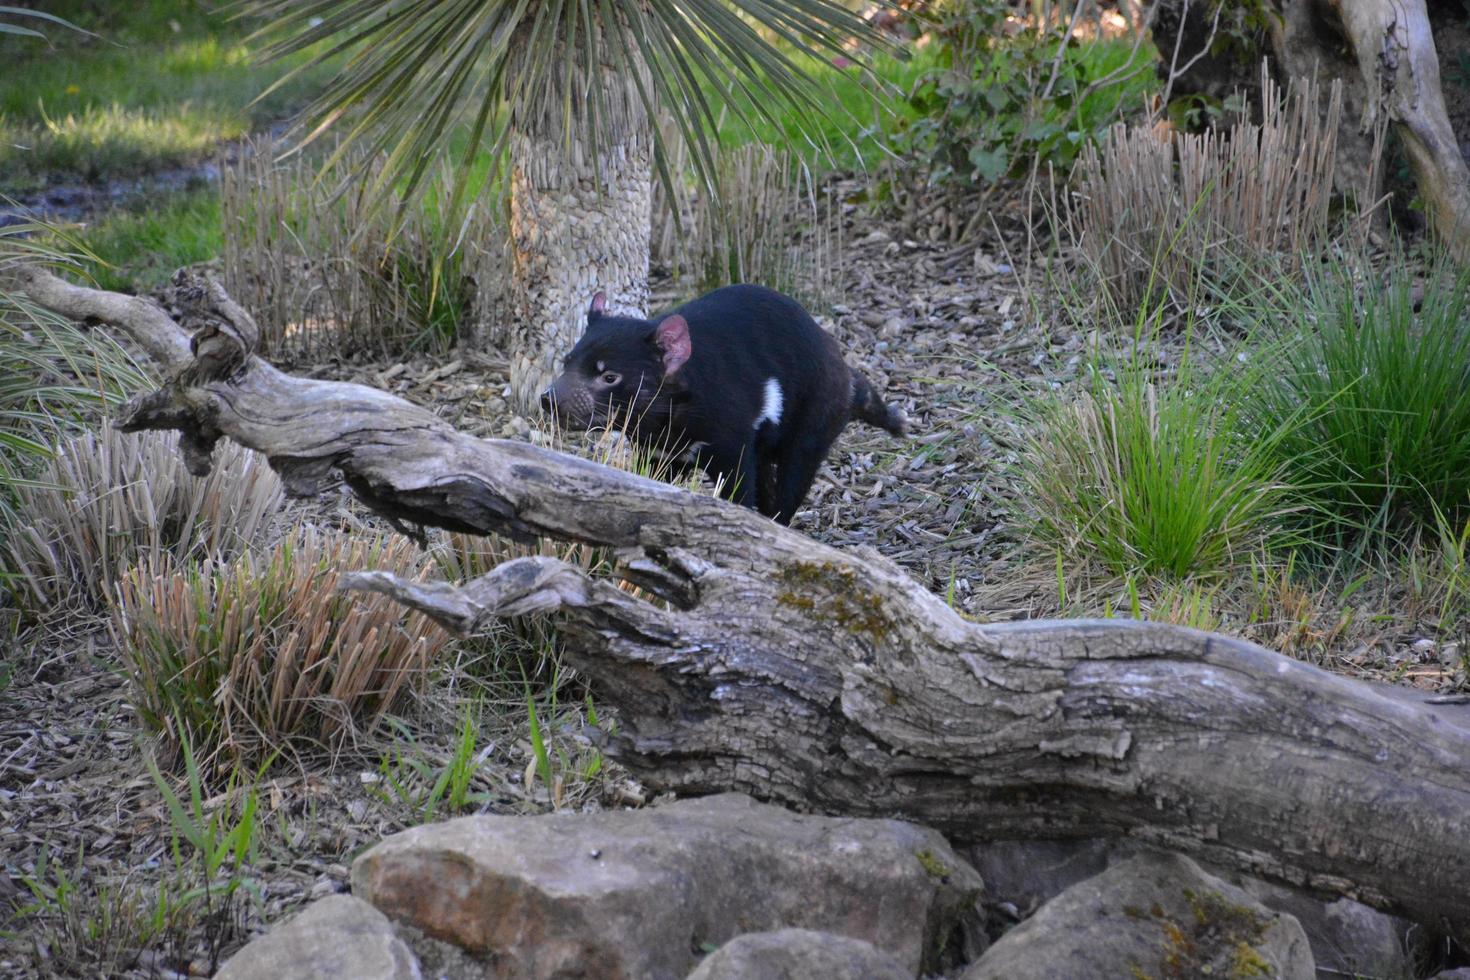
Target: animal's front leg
point(734, 463)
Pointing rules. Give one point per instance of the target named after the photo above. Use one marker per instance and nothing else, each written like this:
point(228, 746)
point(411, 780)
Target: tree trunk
point(762, 661)
point(1384, 52)
point(580, 219)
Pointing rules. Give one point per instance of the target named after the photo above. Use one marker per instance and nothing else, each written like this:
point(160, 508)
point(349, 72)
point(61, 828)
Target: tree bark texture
point(1384, 52)
point(756, 659)
point(580, 217)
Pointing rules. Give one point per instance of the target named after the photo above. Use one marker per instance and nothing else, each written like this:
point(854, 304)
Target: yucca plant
point(564, 94)
point(244, 657)
point(11, 23)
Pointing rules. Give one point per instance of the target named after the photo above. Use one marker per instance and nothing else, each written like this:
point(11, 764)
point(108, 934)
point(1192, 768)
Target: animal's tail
point(869, 406)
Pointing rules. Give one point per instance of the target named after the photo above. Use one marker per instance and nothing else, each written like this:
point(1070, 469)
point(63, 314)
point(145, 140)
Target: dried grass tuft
point(248, 656)
point(323, 272)
point(769, 223)
point(1155, 210)
point(108, 500)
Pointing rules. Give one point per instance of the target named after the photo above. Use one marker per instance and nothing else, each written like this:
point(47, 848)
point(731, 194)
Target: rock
point(337, 937)
point(1458, 973)
point(1153, 915)
point(1022, 875)
point(637, 892)
point(799, 954)
point(1347, 938)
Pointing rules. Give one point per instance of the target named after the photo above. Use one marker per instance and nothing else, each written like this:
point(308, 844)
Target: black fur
point(702, 388)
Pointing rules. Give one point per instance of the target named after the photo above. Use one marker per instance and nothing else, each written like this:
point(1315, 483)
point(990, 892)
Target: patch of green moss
point(931, 864)
point(1179, 950)
point(1246, 962)
point(1212, 910)
point(830, 592)
point(1217, 940)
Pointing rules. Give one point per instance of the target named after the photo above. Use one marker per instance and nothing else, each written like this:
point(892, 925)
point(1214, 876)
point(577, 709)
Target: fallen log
point(765, 662)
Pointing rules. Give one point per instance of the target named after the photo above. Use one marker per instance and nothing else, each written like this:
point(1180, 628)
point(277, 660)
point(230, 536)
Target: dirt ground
point(952, 333)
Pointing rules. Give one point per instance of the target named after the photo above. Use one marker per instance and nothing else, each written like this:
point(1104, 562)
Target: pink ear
point(599, 305)
point(673, 340)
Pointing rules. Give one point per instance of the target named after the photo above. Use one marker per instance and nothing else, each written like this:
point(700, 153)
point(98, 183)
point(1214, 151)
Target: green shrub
point(1005, 97)
point(1151, 476)
point(1377, 370)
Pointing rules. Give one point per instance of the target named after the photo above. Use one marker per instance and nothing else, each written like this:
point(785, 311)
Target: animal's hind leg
point(796, 468)
point(765, 487)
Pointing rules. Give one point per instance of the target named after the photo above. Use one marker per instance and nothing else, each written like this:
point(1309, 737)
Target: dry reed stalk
point(1153, 211)
point(323, 272)
point(768, 223)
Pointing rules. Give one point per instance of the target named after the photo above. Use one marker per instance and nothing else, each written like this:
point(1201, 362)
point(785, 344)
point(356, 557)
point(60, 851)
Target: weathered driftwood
point(829, 679)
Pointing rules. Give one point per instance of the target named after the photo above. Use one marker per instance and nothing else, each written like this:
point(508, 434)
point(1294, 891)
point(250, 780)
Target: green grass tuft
point(1376, 368)
point(1149, 476)
point(140, 248)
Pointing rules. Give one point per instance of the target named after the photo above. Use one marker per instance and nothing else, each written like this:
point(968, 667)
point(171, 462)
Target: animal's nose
point(548, 403)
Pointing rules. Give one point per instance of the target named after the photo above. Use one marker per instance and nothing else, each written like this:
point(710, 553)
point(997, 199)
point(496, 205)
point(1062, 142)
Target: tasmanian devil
point(741, 381)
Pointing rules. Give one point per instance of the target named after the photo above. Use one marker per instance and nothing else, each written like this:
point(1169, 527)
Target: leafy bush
point(1377, 370)
point(107, 500)
point(1007, 95)
point(243, 657)
point(1151, 477)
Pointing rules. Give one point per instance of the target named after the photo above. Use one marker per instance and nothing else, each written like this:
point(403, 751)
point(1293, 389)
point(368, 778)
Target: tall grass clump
point(768, 222)
point(247, 656)
point(56, 379)
point(106, 500)
point(1376, 366)
point(1149, 475)
point(324, 272)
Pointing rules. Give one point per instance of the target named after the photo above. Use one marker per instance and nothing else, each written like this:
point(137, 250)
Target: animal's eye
point(611, 378)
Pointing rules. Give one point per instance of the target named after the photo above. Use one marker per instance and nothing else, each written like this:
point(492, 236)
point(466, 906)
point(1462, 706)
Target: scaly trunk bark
point(580, 220)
